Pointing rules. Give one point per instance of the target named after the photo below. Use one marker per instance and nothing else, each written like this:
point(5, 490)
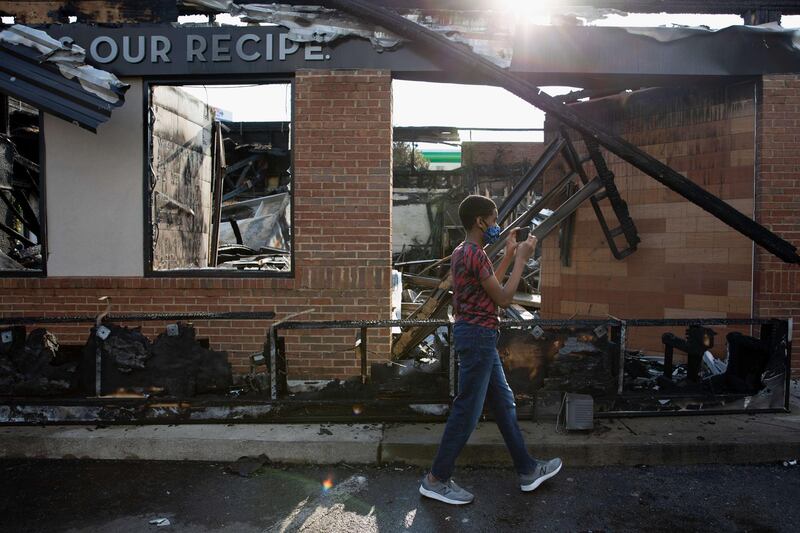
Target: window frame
point(147, 241)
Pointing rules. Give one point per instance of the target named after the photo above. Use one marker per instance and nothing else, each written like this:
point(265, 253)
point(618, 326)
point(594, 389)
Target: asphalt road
point(197, 497)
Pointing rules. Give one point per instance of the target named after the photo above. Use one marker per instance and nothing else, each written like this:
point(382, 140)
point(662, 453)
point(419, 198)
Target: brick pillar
point(343, 203)
point(777, 284)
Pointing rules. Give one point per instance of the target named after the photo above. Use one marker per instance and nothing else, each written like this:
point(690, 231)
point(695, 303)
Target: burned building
point(173, 206)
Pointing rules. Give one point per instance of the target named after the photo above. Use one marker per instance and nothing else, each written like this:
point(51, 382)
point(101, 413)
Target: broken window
point(447, 148)
point(21, 233)
point(220, 178)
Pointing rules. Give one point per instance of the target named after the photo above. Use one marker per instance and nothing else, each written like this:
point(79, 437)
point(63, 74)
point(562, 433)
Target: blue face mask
point(492, 234)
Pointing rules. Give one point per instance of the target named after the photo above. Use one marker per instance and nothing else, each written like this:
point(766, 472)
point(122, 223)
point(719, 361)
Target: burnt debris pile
point(31, 365)
point(175, 364)
point(577, 360)
point(751, 374)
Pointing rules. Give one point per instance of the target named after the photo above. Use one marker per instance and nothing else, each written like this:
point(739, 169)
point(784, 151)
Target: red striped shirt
point(469, 265)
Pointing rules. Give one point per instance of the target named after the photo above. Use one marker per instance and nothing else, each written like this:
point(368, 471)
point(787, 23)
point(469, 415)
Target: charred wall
point(688, 264)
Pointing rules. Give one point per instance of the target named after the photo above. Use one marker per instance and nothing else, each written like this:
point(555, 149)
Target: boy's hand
point(525, 249)
point(511, 242)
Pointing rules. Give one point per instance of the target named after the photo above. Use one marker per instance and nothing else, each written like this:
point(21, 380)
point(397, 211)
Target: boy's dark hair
point(473, 207)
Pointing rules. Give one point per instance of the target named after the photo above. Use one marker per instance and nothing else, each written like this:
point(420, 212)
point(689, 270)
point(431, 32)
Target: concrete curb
point(728, 439)
point(285, 443)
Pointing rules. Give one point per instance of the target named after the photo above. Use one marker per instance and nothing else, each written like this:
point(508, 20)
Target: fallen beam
point(453, 55)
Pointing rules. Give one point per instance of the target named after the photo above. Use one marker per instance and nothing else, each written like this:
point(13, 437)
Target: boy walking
point(477, 293)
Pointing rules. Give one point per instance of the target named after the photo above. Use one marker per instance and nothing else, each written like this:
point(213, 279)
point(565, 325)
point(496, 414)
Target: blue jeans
point(480, 377)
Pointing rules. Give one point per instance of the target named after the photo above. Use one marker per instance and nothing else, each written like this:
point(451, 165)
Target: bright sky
point(247, 103)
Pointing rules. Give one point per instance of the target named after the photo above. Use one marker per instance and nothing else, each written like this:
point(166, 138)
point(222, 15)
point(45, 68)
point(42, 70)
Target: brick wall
point(688, 264)
point(777, 284)
point(342, 226)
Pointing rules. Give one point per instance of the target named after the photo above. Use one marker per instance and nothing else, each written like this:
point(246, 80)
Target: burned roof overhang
point(576, 52)
point(123, 11)
point(628, 58)
point(46, 74)
point(585, 52)
point(587, 57)
point(22, 77)
point(788, 7)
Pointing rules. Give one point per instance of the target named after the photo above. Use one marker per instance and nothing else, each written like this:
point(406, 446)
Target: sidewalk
point(728, 439)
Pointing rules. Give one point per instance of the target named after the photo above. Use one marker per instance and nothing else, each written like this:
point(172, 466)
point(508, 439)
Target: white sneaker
point(544, 471)
point(445, 492)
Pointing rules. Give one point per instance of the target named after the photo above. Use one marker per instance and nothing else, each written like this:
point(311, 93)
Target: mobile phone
point(522, 234)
